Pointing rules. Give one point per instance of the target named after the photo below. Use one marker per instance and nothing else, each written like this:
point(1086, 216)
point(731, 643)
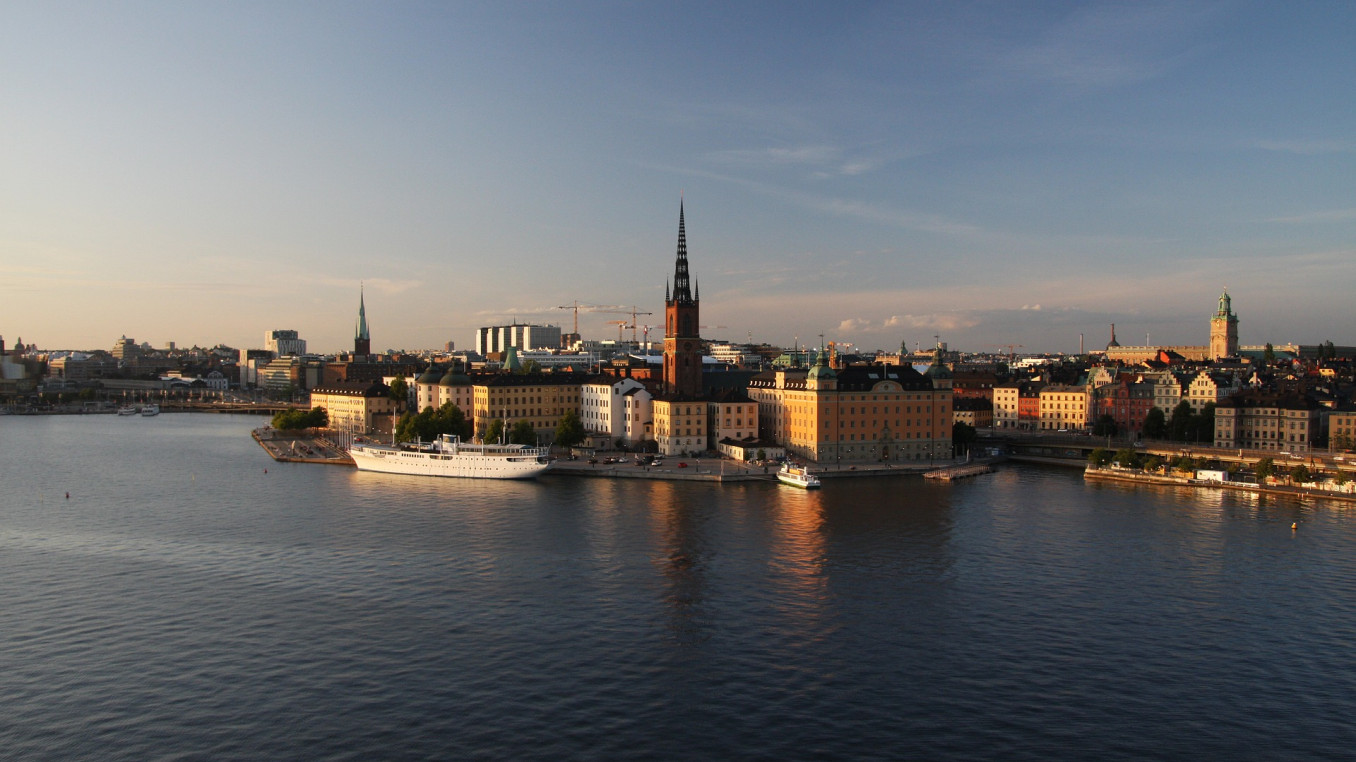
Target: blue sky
point(993, 173)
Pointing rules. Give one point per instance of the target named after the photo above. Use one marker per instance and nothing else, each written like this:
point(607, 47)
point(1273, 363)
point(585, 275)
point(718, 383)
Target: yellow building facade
point(860, 414)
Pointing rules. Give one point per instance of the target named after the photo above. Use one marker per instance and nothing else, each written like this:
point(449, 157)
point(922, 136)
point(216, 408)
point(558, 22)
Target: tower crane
point(1012, 349)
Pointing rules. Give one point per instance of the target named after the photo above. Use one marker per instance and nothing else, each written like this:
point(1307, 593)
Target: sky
point(989, 173)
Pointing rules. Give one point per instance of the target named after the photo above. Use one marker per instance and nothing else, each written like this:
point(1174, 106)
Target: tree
point(292, 419)
point(1264, 469)
point(1340, 478)
point(570, 430)
point(1126, 457)
point(1180, 425)
point(430, 424)
point(1151, 463)
point(1155, 424)
point(1300, 474)
point(529, 367)
point(1099, 457)
point(522, 433)
point(495, 432)
point(1184, 463)
point(962, 436)
point(1269, 354)
point(1105, 426)
point(1203, 424)
point(400, 391)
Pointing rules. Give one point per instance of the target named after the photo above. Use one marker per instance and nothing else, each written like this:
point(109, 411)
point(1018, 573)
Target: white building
point(619, 408)
point(284, 343)
point(521, 336)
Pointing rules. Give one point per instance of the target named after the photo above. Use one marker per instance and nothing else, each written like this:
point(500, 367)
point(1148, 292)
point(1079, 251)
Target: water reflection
point(679, 525)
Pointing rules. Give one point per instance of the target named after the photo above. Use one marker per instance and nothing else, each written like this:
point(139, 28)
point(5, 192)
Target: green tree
point(495, 432)
point(1203, 424)
point(529, 367)
point(1105, 426)
point(1180, 425)
point(1151, 463)
point(1269, 354)
point(1126, 457)
point(293, 419)
point(570, 430)
point(522, 433)
point(1184, 463)
point(1340, 478)
point(1099, 457)
point(1300, 474)
point(962, 436)
point(400, 391)
point(1155, 424)
point(1265, 469)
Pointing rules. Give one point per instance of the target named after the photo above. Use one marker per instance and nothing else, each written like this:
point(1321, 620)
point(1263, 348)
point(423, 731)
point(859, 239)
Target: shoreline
point(1128, 477)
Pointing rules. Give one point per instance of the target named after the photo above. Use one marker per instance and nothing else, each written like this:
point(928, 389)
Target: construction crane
point(620, 325)
point(577, 305)
point(1012, 349)
point(634, 312)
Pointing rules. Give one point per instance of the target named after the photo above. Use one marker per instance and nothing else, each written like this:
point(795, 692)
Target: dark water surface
point(184, 604)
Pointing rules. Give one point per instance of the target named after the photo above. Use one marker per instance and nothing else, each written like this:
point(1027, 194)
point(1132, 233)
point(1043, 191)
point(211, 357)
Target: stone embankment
point(1138, 477)
point(300, 447)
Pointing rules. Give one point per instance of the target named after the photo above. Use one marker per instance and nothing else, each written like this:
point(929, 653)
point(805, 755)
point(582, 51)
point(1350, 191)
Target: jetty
point(959, 472)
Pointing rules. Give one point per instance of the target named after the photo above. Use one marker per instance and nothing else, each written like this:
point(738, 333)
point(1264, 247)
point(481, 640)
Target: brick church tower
point(682, 327)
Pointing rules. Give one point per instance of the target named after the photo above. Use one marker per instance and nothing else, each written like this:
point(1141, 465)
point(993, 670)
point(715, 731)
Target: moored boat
point(449, 456)
point(127, 410)
point(150, 410)
point(797, 476)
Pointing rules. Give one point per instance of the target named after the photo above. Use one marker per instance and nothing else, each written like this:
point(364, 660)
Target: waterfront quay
point(307, 447)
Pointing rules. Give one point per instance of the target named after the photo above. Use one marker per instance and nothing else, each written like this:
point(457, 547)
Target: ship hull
point(465, 465)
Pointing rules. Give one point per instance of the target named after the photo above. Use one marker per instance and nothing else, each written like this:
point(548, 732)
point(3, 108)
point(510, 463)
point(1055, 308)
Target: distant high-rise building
point(284, 342)
point(522, 336)
point(362, 342)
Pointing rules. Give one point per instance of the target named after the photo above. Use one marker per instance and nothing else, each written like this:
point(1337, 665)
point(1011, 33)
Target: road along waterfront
point(184, 603)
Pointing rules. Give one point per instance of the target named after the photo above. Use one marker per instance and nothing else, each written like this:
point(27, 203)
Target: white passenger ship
point(449, 456)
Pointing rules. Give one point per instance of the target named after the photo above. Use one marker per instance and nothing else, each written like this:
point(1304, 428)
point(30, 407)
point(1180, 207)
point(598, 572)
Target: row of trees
point(315, 418)
point(1266, 468)
point(449, 419)
point(1185, 424)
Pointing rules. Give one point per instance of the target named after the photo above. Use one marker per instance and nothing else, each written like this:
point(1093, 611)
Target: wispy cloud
point(1109, 46)
point(1331, 215)
point(1305, 147)
point(820, 160)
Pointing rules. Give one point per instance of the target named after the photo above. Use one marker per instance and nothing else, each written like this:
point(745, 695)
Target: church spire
point(682, 292)
point(362, 343)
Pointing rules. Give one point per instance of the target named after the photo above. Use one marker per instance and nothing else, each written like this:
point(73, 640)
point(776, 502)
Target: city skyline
point(992, 174)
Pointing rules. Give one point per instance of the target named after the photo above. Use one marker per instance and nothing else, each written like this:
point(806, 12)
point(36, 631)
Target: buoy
point(68, 496)
point(265, 470)
point(1294, 526)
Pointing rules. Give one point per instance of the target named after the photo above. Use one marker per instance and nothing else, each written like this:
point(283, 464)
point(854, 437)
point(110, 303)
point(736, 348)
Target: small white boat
point(797, 476)
point(150, 410)
point(127, 410)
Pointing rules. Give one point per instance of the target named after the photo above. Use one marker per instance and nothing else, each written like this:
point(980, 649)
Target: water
point(185, 604)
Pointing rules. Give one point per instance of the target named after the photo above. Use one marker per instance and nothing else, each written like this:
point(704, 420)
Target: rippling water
point(193, 599)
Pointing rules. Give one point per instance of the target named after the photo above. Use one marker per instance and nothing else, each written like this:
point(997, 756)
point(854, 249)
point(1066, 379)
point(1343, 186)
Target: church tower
point(682, 327)
point(1224, 330)
point(362, 343)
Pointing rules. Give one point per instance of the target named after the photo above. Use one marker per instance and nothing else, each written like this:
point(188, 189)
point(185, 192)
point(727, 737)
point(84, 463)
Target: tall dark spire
point(682, 293)
point(362, 343)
